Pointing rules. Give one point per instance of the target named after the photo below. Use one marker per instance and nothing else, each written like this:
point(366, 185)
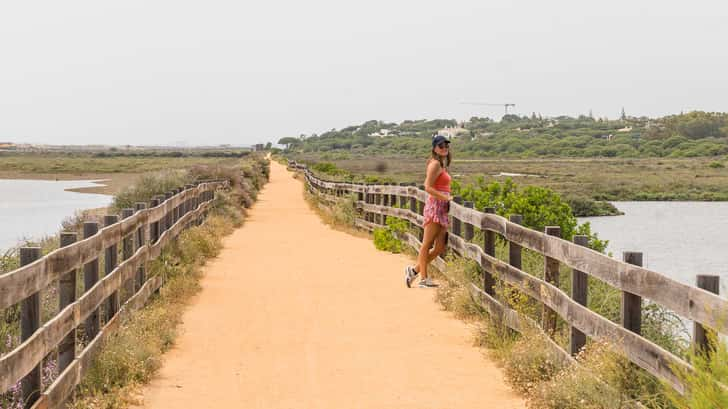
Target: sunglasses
point(443, 145)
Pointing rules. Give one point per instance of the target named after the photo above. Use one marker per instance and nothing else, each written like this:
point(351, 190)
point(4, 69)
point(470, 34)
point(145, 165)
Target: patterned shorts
point(436, 211)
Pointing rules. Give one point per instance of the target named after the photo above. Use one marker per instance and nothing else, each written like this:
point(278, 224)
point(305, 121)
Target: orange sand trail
point(294, 314)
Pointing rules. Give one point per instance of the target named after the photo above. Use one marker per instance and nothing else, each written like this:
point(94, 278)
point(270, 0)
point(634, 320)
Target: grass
point(77, 163)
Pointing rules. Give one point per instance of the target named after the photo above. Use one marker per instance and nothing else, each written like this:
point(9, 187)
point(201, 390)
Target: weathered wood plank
point(29, 323)
point(19, 361)
point(688, 301)
point(18, 284)
point(640, 351)
point(517, 322)
point(62, 388)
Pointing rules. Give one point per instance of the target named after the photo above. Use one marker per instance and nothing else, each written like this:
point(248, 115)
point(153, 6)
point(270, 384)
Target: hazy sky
point(209, 72)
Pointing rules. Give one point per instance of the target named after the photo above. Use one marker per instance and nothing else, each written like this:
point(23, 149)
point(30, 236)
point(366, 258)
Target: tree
point(289, 142)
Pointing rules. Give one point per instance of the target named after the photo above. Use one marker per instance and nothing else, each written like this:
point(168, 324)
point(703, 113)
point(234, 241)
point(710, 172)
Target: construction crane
point(487, 104)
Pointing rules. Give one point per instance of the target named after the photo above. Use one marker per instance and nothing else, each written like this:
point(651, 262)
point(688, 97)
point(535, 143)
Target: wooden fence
point(701, 305)
point(138, 237)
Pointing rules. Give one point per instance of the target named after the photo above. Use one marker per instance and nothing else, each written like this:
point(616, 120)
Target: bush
point(148, 186)
point(705, 385)
point(386, 239)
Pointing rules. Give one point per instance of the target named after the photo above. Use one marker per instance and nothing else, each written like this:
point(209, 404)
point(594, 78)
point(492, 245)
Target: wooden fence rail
point(701, 305)
point(140, 236)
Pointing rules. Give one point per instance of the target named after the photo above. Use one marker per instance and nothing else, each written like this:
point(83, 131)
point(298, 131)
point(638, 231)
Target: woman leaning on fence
point(437, 185)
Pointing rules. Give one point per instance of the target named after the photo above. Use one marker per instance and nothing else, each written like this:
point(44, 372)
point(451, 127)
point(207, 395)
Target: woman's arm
point(433, 171)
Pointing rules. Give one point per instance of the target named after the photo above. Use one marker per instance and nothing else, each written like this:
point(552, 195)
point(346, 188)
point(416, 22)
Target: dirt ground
point(294, 314)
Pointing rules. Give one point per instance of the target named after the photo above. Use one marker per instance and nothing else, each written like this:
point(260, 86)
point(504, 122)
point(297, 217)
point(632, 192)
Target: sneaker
point(409, 275)
point(427, 283)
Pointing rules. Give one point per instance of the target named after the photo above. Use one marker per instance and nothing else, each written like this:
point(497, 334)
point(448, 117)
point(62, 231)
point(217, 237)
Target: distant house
point(382, 133)
point(625, 129)
point(453, 132)
point(7, 146)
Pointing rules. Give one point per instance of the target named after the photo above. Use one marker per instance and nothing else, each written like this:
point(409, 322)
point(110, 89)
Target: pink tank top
point(442, 183)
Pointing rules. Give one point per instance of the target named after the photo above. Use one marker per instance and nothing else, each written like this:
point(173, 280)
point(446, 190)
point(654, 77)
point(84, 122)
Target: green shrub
point(148, 186)
point(539, 206)
point(716, 165)
point(386, 239)
point(706, 384)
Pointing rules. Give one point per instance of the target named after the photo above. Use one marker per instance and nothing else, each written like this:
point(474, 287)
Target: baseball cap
point(438, 140)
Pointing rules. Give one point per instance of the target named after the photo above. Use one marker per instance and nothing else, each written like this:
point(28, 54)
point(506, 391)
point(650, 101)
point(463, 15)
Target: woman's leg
point(432, 230)
point(440, 245)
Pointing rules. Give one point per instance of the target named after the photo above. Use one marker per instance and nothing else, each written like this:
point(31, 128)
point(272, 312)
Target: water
point(679, 239)
point(32, 209)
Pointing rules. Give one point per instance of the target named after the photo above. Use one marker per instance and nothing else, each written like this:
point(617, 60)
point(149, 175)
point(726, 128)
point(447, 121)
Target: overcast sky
point(210, 72)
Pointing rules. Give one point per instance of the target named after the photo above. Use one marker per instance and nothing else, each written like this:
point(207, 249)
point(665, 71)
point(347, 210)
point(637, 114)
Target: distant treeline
point(112, 153)
point(174, 154)
point(685, 135)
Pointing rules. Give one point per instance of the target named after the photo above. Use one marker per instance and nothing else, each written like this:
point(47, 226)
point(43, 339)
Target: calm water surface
point(680, 239)
point(32, 209)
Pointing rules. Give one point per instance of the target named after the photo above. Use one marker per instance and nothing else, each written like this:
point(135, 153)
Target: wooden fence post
point(579, 293)
point(551, 275)
point(456, 224)
point(189, 202)
point(169, 219)
point(90, 277)
point(127, 250)
point(378, 201)
point(154, 227)
point(141, 240)
point(489, 249)
point(66, 296)
point(29, 323)
point(402, 198)
point(111, 260)
point(514, 250)
point(469, 231)
point(368, 199)
point(385, 203)
point(701, 342)
point(632, 303)
point(411, 187)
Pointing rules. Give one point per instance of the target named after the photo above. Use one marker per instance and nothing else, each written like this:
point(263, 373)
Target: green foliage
point(706, 384)
point(148, 186)
point(716, 165)
point(386, 239)
point(539, 206)
point(331, 169)
point(584, 207)
point(689, 135)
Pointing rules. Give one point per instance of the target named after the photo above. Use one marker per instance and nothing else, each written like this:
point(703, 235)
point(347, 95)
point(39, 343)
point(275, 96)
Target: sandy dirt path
point(294, 314)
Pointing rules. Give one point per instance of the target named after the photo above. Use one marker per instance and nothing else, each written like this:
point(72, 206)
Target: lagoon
point(33, 209)
point(679, 239)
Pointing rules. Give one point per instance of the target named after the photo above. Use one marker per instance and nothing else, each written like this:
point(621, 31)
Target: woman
point(437, 185)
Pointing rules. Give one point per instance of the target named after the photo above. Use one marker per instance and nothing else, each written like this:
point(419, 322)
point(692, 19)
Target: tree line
point(684, 135)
